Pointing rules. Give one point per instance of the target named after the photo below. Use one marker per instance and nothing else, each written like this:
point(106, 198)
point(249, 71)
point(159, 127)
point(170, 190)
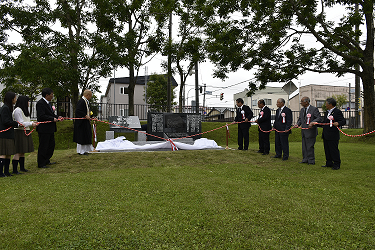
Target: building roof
point(140, 81)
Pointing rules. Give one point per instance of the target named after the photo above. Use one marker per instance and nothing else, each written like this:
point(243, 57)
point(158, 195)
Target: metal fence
point(354, 119)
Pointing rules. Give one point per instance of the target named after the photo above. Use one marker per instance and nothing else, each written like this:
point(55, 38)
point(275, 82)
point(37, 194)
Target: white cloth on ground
point(120, 143)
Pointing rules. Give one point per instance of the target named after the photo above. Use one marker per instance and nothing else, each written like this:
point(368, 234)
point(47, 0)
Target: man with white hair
point(308, 114)
point(82, 128)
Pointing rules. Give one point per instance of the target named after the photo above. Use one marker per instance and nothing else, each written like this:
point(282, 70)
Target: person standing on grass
point(331, 135)
point(283, 123)
point(24, 144)
point(307, 115)
point(7, 147)
point(243, 116)
point(46, 131)
point(264, 122)
point(82, 128)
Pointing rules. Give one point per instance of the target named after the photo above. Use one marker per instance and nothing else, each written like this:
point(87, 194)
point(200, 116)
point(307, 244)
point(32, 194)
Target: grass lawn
point(209, 199)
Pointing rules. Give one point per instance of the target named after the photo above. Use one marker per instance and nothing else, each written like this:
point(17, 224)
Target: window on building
point(268, 101)
point(124, 91)
point(320, 103)
point(254, 102)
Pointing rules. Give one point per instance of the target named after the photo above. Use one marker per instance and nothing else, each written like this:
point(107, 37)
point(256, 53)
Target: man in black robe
point(82, 128)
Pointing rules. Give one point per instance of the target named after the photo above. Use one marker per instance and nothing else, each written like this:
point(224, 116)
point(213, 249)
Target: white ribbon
point(330, 120)
point(308, 118)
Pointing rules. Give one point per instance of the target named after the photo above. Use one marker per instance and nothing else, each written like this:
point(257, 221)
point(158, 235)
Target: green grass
point(210, 199)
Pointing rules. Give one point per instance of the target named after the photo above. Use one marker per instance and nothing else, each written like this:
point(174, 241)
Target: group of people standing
point(309, 119)
point(14, 141)
point(15, 119)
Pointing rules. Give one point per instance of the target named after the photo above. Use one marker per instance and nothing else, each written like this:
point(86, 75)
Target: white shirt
point(330, 111)
point(20, 117)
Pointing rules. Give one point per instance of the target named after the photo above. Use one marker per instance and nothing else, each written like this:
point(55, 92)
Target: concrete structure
point(269, 95)
point(318, 94)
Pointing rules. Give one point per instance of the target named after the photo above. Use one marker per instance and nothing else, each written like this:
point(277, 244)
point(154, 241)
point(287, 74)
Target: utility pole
point(169, 65)
point(114, 90)
point(204, 95)
point(357, 81)
point(196, 89)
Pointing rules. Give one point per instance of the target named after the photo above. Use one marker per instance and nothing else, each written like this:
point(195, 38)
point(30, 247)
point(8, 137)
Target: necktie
point(305, 112)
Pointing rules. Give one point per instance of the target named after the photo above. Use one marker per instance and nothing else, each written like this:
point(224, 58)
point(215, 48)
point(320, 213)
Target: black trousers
point(46, 148)
point(331, 149)
point(243, 135)
point(282, 144)
point(264, 142)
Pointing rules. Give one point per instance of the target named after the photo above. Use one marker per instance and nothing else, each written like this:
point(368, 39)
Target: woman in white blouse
point(23, 143)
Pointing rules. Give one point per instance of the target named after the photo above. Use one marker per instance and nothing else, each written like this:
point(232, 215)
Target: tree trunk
point(369, 100)
point(132, 81)
point(182, 84)
point(368, 70)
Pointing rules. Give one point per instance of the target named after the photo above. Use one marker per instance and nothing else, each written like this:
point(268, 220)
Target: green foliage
point(340, 100)
point(272, 38)
point(157, 93)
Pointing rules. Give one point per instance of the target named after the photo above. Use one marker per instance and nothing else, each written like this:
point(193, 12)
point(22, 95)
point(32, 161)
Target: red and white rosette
point(243, 114)
point(330, 118)
point(261, 114)
point(283, 115)
point(308, 118)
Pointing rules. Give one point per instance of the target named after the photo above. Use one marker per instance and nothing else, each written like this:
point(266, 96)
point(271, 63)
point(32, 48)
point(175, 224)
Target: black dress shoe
point(259, 151)
point(2, 175)
point(325, 166)
point(8, 174)
point(43, 167)
point(310, 163)
point(51, 163)
point(285, 159)
point(302, 162)
point(16, 173)
point(276, 156)
point(335, 168)
point(265, 153)
point(240, 148)
point(24, 170)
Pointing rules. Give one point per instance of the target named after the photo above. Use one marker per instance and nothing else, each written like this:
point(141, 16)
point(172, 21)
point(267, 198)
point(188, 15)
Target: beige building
point(269, 95)
point(318, 94)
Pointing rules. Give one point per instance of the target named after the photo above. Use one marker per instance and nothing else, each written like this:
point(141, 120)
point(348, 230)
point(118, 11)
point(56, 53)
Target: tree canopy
point(272, 37)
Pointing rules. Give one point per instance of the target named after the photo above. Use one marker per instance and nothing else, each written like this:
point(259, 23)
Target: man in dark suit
point(82, 128)
point(46, 131)
point(307, 115)
point(282, 124)
point(331, 135)
point(243, 115)
point(264, 122)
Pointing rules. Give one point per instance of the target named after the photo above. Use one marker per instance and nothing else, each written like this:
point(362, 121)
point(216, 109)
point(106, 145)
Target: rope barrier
point(190, 136)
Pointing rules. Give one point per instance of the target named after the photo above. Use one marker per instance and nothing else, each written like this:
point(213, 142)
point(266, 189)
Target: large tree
point(68, 50)
point(135, 26)
point(188, 48)
point(270, 36)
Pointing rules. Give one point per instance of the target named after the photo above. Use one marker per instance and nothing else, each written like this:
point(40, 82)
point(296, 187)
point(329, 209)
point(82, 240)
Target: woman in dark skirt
point(7, 147)
point(24, 144)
